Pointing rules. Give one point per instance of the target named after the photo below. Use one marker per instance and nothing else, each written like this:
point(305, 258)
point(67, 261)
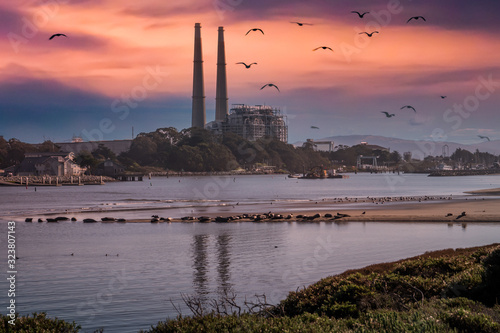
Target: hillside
point(433, 148)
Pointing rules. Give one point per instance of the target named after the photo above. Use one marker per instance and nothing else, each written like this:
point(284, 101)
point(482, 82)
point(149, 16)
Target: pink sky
point(72, 82)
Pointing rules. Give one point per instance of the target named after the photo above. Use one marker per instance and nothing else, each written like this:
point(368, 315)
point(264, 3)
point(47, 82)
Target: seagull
point(387, 114)
point(57, 35)
point(443, 97)
point(247, 66)
point(408, 107)
point(484, 137)
point(368, 34)
point(270, 85)
point(324, 48)
point(302, 23)
point(359, 14)
point(416, 18)
point(315, 127)
point(254, 29)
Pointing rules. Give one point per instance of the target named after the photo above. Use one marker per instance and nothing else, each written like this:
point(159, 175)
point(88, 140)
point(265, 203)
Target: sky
point(126, 66)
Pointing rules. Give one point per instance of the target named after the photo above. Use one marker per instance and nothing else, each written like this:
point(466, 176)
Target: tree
point(143, 150)
point(48, 146)
point(103, 153)
point(86, 159)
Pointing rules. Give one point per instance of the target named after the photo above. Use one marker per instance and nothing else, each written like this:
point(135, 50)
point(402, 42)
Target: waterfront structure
point(109, 168)
point(253, 123)
point(49, 164)
point(319, 144)
point(198, 107)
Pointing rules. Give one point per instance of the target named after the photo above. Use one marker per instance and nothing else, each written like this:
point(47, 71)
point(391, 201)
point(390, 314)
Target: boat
point(319, 172)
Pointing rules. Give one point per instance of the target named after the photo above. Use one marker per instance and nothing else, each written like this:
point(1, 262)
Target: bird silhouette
point(324, 48)
point(387, 114)
point(408, 107)
point(460, 216)
point(484, 137)
point(270, 85)
point(57, 35)
point(315, 127)
point(416, 18)
point(359, 14)
point(301, 23)
point(254, 29)
point(443, 97)
point(247, 66)
point(369, 34)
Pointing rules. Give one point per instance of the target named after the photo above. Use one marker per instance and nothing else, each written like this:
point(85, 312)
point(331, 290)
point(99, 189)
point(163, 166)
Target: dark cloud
point(448, 76)
point(446, 14)
point(36, 109)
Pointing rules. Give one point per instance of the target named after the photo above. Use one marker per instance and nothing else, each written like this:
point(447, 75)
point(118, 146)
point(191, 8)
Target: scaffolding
point(253, 122)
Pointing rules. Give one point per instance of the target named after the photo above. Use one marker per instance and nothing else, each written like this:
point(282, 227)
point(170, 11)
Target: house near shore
point(109, 168)
point(49, 164)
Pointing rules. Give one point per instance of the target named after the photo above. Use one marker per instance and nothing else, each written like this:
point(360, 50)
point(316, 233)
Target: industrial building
point(250, 122)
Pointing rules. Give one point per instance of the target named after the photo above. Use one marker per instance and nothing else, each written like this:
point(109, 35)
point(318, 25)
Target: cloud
point(32, 109)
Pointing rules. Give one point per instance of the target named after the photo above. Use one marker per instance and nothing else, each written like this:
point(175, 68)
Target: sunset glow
point(55, 89)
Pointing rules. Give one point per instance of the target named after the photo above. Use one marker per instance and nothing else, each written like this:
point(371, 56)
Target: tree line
point(198, 150)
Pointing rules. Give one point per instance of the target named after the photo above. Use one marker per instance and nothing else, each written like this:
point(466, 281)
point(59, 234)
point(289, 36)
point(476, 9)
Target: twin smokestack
point(221, 100)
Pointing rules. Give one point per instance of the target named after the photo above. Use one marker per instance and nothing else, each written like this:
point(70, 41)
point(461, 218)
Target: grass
point(442, 291)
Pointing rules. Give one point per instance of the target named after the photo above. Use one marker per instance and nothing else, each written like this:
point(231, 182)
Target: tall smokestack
point(198, 111)
point(221, 88)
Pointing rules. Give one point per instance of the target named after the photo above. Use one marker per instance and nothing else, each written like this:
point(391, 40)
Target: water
point(178, 196)
point(150, 266)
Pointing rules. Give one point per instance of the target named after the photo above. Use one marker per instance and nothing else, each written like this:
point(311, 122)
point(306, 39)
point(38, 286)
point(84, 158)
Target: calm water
point(178, 196)
point(157, 263)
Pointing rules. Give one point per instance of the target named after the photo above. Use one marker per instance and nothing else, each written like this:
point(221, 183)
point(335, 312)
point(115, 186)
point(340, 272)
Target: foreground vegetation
point(443, 291)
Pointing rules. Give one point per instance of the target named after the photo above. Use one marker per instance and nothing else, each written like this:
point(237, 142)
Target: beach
point(417, 209)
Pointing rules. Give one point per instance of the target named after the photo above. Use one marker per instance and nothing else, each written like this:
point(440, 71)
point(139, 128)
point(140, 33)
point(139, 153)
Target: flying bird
point(359, 14)
point(387, 114)
point(484, 137)
point(324, 48)
point(57, 35)
point(270, 85)
point(443, 97)
point(408, 107)
point(247, 66)
point(315, 127)
point(301, 23)
point(416, 18)
point(369, 34)
point(254, 29)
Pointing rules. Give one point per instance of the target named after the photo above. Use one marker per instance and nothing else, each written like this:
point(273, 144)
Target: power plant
point(250, 122)
point(198, 111)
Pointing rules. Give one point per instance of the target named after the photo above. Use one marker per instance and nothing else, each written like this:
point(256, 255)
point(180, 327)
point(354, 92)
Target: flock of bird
point(323, 47)
point(369, 34)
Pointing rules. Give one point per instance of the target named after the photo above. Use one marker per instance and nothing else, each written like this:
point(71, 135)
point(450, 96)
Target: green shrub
point(465, 321)
point(39, 323)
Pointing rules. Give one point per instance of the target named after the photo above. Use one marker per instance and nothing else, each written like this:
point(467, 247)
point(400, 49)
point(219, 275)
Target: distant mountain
point(419, 149)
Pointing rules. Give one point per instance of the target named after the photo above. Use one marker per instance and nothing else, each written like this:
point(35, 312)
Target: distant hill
point(418, 148)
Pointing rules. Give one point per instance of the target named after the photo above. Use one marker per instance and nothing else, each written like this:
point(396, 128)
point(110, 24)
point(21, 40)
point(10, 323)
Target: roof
point(28, 164)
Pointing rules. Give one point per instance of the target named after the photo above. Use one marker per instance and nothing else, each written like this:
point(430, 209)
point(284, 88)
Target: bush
point(38, 323)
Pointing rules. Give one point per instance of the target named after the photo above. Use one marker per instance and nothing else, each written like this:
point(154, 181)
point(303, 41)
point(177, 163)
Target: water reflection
point(208, 266)
point(223, 262)
point(200, 265)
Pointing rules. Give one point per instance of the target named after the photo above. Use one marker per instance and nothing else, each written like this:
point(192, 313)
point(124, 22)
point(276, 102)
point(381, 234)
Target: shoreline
point(419, 209)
